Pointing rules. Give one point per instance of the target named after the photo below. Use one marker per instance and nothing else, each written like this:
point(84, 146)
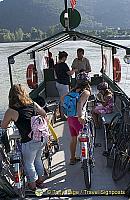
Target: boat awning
point(64, 36)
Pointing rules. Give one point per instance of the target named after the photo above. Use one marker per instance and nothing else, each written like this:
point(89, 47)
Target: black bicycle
point(11, 163)
point(49, 150)
point(118, 140)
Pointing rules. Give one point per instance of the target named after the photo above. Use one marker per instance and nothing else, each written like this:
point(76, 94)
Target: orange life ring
point(31, 76)
point(117, 70)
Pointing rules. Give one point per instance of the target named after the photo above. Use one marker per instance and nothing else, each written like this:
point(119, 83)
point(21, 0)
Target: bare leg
point(95, 118)
point(73, 144)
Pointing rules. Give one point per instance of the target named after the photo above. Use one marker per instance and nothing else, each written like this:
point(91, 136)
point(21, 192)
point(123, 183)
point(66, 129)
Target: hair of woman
point(107, 92)
point(83, 85)
point(62, 54)
point(18, 96)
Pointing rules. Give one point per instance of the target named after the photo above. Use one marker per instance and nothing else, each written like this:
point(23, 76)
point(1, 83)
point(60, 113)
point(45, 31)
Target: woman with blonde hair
point(21, 109)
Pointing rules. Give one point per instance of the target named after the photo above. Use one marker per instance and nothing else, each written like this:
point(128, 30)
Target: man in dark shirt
point(63, 74)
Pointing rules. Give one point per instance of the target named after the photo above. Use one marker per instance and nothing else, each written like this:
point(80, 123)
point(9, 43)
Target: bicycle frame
point(16, 161)
point(87, 140)
point(86, 143)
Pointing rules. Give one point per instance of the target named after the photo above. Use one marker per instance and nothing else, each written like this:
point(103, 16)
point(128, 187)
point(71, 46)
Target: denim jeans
point(33, 165)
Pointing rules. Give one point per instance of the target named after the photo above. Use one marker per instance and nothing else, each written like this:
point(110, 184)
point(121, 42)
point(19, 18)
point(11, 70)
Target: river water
point(92, 52)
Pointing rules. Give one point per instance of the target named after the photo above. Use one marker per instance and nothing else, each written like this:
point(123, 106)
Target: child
point(105, 106)
point(75, 122)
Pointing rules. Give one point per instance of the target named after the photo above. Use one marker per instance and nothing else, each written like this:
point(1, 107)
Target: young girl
point(105, 106)
point(76, 122)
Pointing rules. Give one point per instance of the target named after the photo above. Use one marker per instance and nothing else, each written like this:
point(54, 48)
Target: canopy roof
point(64, 36)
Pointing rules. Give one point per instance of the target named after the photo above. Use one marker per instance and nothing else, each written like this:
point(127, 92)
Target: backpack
point(70, 103)
point(39, 129)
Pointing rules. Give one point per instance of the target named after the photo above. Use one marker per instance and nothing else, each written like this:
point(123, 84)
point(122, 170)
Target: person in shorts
point(76, 122)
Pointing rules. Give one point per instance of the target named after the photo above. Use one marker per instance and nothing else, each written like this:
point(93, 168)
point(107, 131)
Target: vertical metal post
point(66, 16)
point(34, 60)
point(10, 73)
point(48, 59)
point(113, 52)
point(65, 5)
point(102, 56)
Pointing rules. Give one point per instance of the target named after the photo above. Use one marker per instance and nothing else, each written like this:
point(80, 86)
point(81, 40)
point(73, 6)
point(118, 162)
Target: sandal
point(31, 187)
point(73, 162)
point(39, 184)
point(77, 159)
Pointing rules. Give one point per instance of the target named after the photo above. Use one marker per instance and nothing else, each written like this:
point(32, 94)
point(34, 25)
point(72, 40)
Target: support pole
point(66, 17)
point(10, 72)
point(65, 5)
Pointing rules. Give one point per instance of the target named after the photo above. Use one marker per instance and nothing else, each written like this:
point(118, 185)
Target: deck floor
point(67, 177)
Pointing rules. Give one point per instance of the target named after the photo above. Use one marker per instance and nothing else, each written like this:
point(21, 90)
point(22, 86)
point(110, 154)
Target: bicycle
point(48, 151)
point(87, 143)
point(118, 143)
point(16, 162)
point(11, 164)
point(50, 148)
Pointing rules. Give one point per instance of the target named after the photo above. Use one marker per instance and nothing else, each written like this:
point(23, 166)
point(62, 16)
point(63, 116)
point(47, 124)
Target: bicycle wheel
point(114, 127)
point(113, 131)
point(46, 160)
point(21, 190)
point(121, 161)
point(120, 166)
point(87, 173)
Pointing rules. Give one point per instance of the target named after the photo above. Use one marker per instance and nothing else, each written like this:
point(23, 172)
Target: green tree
point(19, 34)
point(27, 36)
point(34, 34)
point(7, 37)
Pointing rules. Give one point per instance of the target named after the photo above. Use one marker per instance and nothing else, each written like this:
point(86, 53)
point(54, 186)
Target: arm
point(40, 110)
point(68, 71)
point(84, 97)
point(10, 115)
point(71, 72)
point(88, 66)
point(74, 64)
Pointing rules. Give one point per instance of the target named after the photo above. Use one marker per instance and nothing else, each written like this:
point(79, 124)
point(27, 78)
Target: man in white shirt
point(81, 63)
